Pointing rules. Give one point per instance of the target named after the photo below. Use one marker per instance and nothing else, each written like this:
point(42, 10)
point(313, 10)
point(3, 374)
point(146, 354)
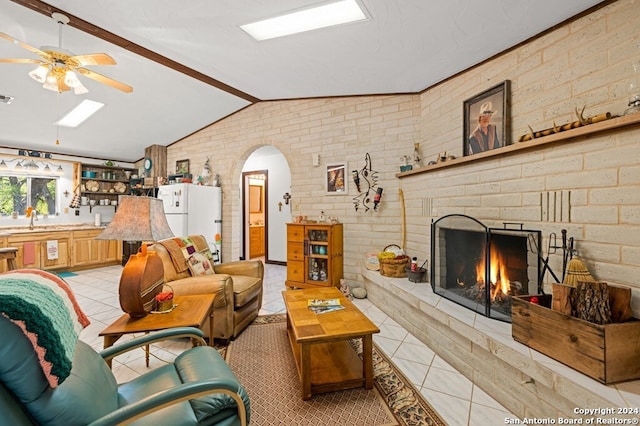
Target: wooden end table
point(326, 361)
point(191, 311)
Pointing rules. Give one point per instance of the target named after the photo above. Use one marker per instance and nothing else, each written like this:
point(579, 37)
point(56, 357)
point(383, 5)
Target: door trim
point(245, 212)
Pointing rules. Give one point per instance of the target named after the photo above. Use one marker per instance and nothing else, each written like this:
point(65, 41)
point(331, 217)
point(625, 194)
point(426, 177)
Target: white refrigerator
point(194, 209)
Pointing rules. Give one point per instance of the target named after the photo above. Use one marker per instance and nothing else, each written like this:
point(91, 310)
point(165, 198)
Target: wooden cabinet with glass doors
point(314, 255)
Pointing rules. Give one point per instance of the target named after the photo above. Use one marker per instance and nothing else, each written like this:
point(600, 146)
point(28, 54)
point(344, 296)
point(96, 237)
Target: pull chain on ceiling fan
point(58, 68)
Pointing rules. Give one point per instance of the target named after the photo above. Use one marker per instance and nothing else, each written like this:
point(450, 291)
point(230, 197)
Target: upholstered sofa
point(237, 285)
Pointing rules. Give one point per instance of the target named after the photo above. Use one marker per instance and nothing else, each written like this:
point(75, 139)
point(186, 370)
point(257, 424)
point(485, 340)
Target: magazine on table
point(325, 309)
point(322, 306)
point(324, 302)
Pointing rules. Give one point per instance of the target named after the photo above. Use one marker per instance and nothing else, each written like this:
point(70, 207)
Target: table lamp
point(139, 219)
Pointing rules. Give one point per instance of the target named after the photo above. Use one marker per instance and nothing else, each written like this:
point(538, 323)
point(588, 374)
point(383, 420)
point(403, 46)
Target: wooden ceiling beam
point(101, 33)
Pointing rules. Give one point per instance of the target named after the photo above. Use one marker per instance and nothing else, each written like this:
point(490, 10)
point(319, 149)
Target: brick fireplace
point(482, 268)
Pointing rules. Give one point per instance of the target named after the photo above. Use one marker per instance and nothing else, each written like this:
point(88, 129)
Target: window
point(17, 193)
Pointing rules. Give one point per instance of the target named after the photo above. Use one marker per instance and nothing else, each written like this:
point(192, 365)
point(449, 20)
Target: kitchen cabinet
point(88, 251)
point(314, 255)
point(256, 241)
point(33, 250)
point(76, 249)
point(103, 184)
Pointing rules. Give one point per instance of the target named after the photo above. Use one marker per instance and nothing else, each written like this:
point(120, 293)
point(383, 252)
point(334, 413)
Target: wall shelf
point(108, 180)
point(566, 136)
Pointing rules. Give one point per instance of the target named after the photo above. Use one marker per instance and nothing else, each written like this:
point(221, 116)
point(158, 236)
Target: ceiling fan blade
point(24, 45)
point(105, 80)
point(94, 59)
point(22, 61)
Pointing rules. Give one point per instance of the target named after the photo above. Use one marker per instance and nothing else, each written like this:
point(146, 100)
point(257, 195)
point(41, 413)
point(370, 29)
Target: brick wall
point(596, 179)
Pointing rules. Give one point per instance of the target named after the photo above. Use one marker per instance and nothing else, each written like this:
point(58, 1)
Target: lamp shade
point(138, 219)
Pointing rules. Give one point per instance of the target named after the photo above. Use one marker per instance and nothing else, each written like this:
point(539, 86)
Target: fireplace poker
point(564, 252)
point(567, 252)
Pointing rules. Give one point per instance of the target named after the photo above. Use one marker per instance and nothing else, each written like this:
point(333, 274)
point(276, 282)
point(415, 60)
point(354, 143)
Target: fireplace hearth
point(482, 268)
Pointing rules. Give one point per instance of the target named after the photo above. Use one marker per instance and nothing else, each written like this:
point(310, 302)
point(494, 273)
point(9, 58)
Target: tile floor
point(458, 401)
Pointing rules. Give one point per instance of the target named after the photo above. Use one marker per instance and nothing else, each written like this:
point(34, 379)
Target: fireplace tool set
point(567, 252)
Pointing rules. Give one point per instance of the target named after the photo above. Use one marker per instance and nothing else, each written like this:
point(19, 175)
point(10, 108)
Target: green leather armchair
point(198, 388)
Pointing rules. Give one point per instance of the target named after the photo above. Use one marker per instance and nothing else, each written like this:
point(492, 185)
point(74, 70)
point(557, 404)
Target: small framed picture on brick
point(336, 179)
point(182, 166)
point(487, 121)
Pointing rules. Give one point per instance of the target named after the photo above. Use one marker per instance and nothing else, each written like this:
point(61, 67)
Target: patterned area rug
point(261, 357)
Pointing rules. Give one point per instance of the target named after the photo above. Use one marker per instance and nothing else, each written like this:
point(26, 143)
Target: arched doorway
point(265, 179)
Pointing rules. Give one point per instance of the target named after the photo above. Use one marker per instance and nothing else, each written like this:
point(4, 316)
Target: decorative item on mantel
point(405, 166)
point(441, 158)
point(581, 121)
point(416, 154)
point(634, 91)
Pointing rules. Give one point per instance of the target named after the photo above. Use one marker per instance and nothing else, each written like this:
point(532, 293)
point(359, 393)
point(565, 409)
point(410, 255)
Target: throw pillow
point(201, 263)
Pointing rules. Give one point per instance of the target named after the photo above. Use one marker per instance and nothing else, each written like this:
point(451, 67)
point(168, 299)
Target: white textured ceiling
point(405, 47)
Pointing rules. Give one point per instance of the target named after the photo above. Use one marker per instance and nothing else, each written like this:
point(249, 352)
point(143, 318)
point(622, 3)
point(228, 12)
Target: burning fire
point(498, 275)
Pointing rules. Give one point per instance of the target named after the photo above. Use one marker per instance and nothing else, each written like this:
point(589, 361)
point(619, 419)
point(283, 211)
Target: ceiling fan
point(57, 67)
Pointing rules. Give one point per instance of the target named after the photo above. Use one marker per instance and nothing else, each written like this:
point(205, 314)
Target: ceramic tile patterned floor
point(458, 401)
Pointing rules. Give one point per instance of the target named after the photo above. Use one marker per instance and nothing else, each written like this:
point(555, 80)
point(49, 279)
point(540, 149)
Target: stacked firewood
point(596, 302)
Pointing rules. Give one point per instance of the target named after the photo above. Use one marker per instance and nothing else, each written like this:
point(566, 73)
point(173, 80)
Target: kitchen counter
point(24, 229)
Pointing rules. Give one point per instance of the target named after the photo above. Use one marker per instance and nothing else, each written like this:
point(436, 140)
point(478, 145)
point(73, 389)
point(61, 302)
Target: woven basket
point(165, 305)
point(394, 268)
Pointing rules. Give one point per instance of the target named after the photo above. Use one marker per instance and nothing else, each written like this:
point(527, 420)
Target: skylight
point(327, 15)
point(79, 114)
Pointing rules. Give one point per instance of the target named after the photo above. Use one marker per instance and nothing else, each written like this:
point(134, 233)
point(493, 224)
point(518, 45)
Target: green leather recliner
point(198, 388)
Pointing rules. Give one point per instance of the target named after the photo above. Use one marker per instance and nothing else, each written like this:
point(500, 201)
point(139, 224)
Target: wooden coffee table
point(326, 361)
point(191, 311)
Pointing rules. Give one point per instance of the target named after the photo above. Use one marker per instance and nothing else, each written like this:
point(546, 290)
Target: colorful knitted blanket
point(44, 307)
point(181, 248)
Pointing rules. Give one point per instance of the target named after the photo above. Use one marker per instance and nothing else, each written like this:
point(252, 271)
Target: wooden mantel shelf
point(601, 127)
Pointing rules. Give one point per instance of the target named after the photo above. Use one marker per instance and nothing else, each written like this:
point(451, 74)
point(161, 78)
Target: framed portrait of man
point(487, 120)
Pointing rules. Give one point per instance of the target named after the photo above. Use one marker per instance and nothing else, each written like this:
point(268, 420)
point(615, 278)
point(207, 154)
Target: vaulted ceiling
point(191, 65)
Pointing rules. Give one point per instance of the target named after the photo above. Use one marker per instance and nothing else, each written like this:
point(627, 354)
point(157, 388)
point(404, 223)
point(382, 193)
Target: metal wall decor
point(366, 181)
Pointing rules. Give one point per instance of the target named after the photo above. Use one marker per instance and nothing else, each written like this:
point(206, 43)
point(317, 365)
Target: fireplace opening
point(482, 268)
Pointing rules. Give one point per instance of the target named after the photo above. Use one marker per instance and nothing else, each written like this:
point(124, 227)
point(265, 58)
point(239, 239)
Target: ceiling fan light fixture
point(80, 89)
point(51, 83)
point(40, 74)
point(71, 80)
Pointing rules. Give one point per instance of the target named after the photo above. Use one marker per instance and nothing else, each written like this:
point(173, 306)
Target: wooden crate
point(607, 353)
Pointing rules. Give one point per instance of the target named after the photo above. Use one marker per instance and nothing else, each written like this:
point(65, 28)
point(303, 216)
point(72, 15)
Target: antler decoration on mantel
point(366, 180)
point(581, 121)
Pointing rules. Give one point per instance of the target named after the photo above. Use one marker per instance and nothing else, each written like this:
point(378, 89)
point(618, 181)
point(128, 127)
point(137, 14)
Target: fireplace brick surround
point(524, 381)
